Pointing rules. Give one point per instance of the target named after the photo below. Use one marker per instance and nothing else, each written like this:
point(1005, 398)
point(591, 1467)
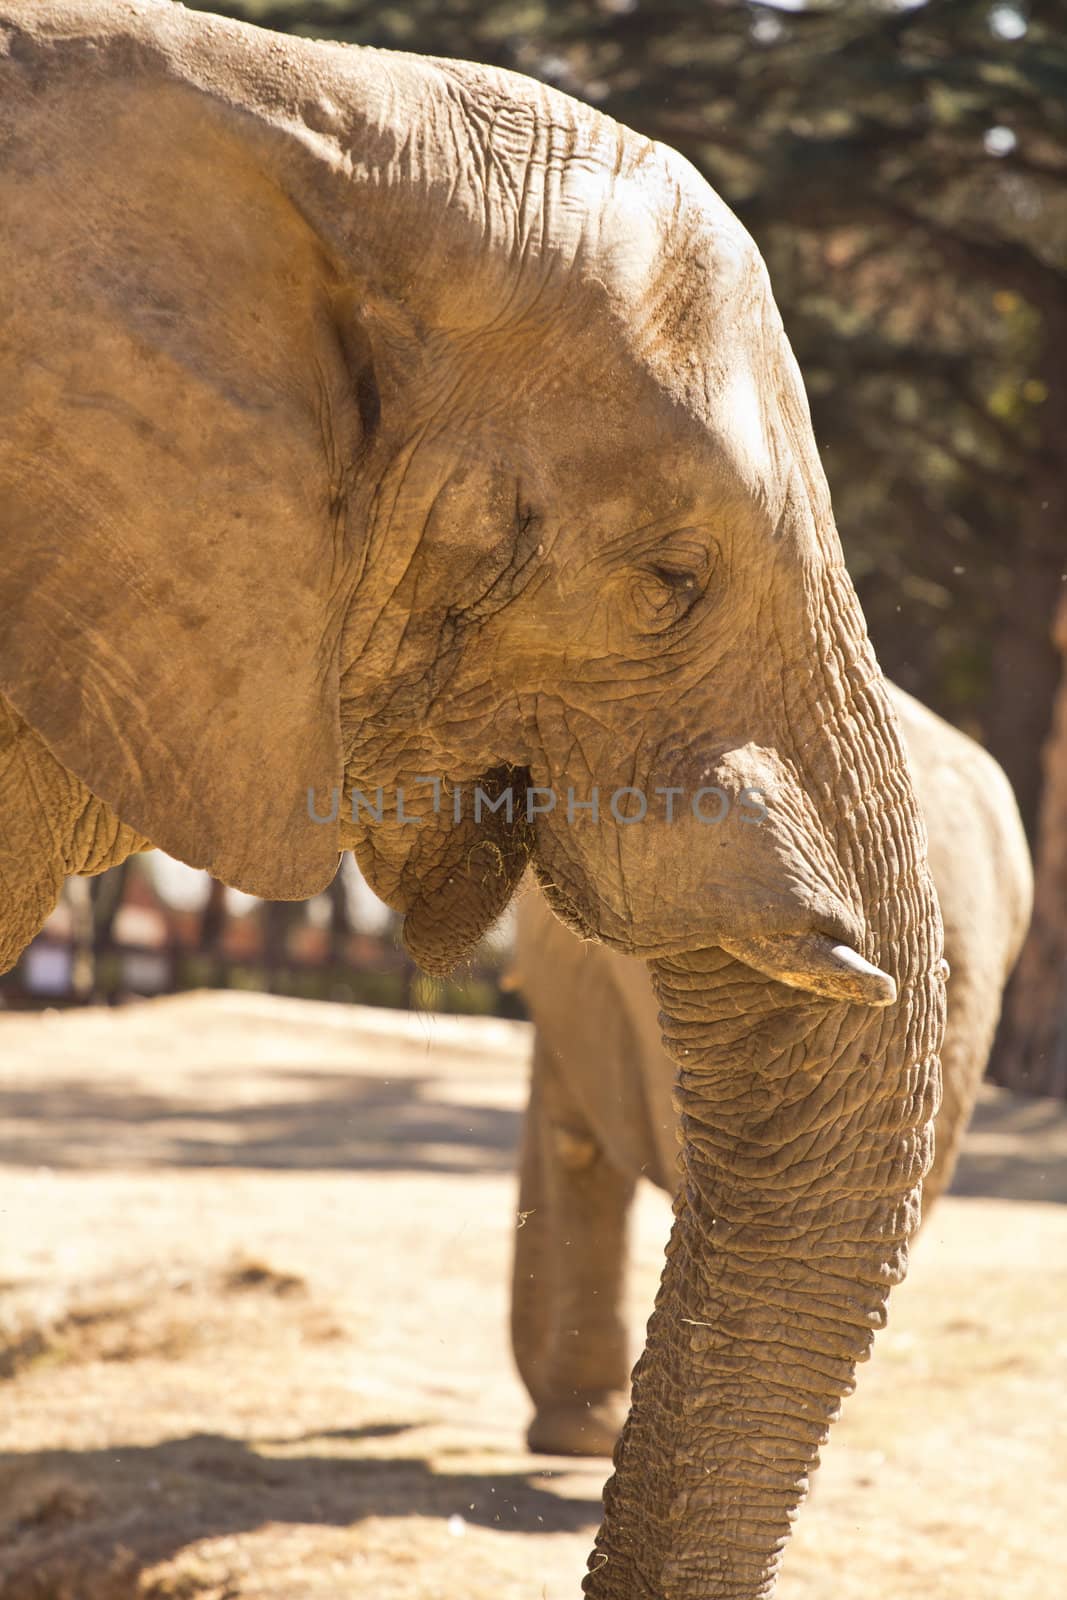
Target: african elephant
point(600, 1112)
point(399, 455)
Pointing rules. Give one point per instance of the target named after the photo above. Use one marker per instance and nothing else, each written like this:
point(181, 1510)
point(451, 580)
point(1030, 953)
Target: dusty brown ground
point(253, 1313)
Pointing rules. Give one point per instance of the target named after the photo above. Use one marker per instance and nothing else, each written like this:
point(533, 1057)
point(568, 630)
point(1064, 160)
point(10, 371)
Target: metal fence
point(115, 938)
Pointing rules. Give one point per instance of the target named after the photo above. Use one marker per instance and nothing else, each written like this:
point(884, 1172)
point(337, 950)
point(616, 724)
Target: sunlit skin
point(369, 419)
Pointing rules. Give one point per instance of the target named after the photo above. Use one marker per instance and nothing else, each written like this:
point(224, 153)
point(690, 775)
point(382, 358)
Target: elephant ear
point(174, 407)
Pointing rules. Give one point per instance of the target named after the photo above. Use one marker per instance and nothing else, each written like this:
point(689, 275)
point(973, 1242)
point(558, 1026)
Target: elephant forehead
point(704, 322)
point(689, 292)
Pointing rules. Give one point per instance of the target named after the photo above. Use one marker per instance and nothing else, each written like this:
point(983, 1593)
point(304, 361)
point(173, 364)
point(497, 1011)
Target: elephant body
point(399, 455)
point(601, 1111)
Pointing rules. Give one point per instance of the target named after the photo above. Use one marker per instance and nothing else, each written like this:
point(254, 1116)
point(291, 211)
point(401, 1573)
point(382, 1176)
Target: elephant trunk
point(806, 1130)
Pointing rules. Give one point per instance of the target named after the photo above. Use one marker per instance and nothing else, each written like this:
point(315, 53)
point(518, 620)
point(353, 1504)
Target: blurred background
point(901, 166)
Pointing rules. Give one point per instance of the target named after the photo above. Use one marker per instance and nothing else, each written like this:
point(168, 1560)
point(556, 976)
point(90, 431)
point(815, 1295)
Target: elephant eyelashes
point(675, 578)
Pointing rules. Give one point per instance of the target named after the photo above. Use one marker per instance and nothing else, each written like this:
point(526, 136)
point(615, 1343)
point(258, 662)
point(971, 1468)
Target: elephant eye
point(675, 578)
point(663, 595)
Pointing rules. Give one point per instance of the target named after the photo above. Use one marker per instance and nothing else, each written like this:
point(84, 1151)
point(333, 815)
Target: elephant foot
point(578, 1427)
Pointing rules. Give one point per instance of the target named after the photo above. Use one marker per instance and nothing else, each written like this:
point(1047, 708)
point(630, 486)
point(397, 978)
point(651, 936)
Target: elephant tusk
point(813, 961)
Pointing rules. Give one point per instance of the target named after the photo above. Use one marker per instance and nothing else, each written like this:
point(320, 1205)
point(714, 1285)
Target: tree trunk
point(1033, 1052)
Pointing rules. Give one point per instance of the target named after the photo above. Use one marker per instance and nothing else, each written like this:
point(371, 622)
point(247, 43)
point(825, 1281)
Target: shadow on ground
point(310, 1120)
point(349, 1123)
point(1016, 1149)
point(96, 1518)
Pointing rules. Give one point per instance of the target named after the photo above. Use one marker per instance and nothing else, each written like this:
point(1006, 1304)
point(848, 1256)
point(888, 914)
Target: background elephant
point(601, 1113)
point(399, 455)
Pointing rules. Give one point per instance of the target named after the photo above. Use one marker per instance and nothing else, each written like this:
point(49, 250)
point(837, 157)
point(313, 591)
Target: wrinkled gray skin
point(601, 1111)
point(365, 418)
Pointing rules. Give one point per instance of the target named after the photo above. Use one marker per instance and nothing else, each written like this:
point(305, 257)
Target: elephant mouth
point(820, 963)
point(817, 962)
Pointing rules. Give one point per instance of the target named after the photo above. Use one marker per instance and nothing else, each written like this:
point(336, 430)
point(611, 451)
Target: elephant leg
point(533, 1270)
point(567, 1327)
point(969, 1030)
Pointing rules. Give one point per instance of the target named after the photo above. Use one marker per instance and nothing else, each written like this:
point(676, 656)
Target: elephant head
point(377, 430)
